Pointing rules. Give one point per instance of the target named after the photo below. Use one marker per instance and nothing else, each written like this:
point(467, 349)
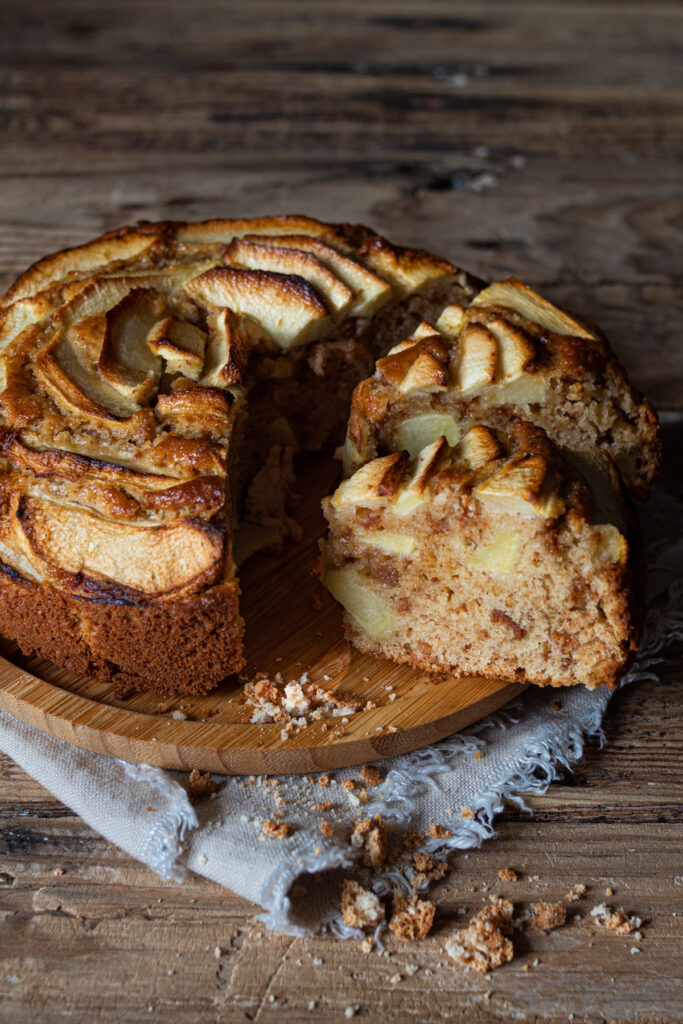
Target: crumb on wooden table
point(508, 875)
point(615, 920)
point(360, 907)
point(576, 892)
point(411, 919)
point(548, 916)
point(484, 945)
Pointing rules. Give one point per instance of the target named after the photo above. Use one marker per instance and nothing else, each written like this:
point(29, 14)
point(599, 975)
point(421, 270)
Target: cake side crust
point(183, 646)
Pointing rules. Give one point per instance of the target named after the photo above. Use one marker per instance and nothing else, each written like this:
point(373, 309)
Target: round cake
point(155, 383)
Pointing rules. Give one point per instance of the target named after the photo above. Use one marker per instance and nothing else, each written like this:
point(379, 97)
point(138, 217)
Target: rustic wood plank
point(534, 138)
point(557, 161)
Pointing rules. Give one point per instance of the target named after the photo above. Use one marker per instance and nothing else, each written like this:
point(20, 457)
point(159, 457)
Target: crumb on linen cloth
point(371, 775)
point(484, 945)
point(201, 785)
point(548, 916)
point(615, 920)
point(360, 907)
point(277, 829)
point(438, 832)
point(412, 840)
point(508, 875)
point(411, 919)
point(369, 836)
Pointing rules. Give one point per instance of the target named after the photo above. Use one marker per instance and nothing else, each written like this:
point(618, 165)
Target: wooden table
point(536, 138)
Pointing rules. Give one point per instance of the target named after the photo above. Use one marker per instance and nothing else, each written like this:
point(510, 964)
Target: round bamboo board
point(292, 627)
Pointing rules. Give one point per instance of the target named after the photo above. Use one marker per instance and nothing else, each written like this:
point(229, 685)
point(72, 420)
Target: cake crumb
point(360, 907)
point(508, 875)
point(615, 920)
point(58, 872)
point(412, 839)
point(322, 805)
point(609, 891)
point(277, 829)
point(325, 780)
point(576, 892)
point(549, 916)
point(350, 784)
point(370, 837)
point(467, 812)
point(371, 775)
point(423, 861)
point(438, 832)
point(367, 945)
point(201, 785)
point(483, 945)
point(326, 828)
point(411, 919)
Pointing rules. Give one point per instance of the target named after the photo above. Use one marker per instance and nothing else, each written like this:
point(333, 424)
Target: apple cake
point(154, 384)
point(496, 556)
point(507, 352)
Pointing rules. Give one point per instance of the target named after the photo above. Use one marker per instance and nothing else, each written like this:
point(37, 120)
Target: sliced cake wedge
point(499, 556)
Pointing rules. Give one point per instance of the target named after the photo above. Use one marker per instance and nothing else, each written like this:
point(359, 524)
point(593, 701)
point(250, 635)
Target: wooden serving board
point(292, 626)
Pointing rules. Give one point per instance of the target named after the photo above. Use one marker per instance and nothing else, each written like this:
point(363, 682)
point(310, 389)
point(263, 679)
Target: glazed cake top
point(122, 364)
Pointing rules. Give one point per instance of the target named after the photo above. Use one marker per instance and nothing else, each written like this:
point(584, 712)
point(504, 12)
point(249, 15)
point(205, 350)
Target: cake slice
point(498, 556)
point(508, 351)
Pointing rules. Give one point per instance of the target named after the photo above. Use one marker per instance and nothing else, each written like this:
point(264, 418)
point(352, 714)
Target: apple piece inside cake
point(499, 556)
point(509, 352)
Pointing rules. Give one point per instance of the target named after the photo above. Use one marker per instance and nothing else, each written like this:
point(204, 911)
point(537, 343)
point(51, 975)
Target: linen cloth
point(297, 880)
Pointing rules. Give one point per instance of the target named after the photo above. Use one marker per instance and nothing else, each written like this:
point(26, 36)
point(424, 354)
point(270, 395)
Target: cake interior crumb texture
point(471, 571)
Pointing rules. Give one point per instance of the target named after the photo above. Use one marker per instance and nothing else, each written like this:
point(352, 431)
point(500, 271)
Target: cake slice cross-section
point(501, 556)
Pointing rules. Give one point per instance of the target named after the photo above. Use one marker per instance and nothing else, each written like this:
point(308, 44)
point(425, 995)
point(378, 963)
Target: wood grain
point(536, 138)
